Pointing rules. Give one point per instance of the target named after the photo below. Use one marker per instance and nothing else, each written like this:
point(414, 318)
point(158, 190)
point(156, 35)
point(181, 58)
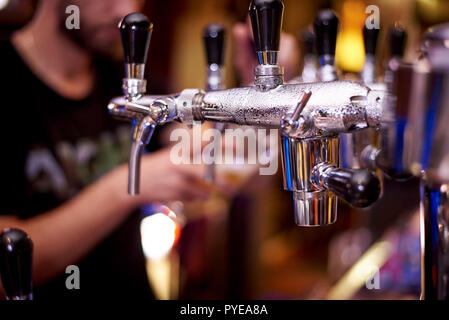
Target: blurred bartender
point(63, 180)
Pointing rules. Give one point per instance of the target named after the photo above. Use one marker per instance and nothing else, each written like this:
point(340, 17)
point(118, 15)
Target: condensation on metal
point(328, 111)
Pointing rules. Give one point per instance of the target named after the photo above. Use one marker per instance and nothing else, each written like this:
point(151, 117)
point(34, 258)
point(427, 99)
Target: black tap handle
point(136, 30)
point(398, 38)
point(359, 187)
point(16, 253)
point(370, 37)
point(326, 28)
point(213, 36)
point(308, 38)
point(266, 20)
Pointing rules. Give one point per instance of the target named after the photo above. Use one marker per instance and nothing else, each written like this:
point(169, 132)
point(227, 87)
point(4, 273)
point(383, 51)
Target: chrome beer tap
point(310, 117)
point(16, 255)
point(136, 30)
point(214, 42)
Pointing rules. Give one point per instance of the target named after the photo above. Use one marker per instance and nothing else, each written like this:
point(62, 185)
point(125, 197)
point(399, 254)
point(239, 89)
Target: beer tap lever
point(370, 37)
point(360, 188)
point(326, 28)
point(16, 253)
point(266, 20)
point(136, 30)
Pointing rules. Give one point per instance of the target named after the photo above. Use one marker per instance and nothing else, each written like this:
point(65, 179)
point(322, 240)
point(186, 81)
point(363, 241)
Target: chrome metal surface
point(132, 87)
point(354, 145)
point(145, 112)
point(142, 133)
point(267, 76)
point(291, 124)
point(134, 84)
point(328, 111)
point(134, 70)
point(314, 205)
point(268, 57)
point(315, 208)
point(189, 105)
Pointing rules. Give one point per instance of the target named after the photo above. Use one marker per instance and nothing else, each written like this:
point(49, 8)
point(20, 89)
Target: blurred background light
point(159, 234)
point(350, 53)
point(3, 4)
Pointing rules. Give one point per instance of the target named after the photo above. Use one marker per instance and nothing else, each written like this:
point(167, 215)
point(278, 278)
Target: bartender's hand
point(162, 180)
point(65, 234)
point(245, 58)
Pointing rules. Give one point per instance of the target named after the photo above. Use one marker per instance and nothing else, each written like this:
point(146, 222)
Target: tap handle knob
point(136, 30)
point(398, 38)
point(326, 28)
point(214, 38)
point(359, 187)
point(370, 37)
point(16, 252)
point(266, 20)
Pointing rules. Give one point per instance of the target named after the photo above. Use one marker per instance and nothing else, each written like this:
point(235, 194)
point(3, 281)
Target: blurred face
point(99, 21)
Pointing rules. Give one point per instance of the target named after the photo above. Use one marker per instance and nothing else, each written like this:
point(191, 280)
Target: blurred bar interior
point(248, 246)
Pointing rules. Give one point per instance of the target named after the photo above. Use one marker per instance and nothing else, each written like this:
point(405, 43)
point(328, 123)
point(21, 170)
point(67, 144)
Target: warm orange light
point(350, 52)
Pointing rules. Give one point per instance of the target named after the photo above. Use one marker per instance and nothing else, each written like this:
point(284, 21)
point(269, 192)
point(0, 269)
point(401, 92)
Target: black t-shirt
point(52, 147)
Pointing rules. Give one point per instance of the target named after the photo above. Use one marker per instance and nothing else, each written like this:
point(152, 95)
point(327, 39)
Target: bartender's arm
point(64, 235)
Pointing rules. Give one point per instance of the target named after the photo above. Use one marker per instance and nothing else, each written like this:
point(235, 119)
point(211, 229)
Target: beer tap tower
point(309, 116)
point(411, 117)
point(136, 30)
